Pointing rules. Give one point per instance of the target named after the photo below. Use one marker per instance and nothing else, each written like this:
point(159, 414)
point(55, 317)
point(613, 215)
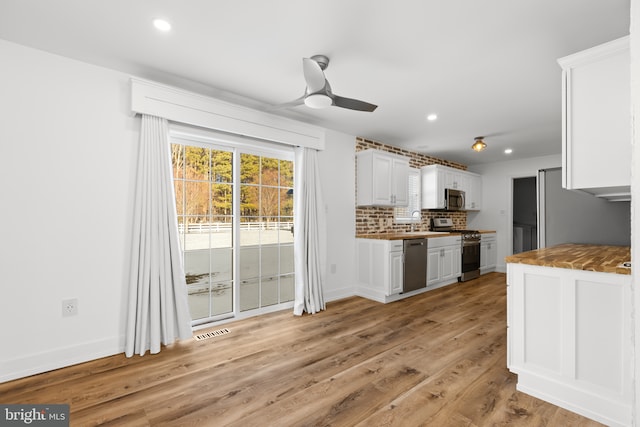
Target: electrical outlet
point(69, 307)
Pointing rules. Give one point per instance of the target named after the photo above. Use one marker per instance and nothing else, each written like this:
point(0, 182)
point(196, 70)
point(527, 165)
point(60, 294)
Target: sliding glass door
point(235, 217)
point(266, 231)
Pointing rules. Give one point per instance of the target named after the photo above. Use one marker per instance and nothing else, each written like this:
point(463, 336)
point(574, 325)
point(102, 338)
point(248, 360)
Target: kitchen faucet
point(413, 224)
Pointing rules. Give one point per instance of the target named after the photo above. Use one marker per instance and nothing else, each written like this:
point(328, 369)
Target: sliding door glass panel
point(266, 223)
point(249, 294)
point(204, 204)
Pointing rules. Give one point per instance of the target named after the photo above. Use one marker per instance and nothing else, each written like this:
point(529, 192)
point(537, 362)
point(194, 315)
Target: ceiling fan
point(318, 93)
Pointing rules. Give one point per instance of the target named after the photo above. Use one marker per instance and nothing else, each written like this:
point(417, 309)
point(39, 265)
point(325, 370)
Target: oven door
point(470, 260)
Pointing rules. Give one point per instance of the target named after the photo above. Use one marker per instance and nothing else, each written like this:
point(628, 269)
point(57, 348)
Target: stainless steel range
point(470, 247)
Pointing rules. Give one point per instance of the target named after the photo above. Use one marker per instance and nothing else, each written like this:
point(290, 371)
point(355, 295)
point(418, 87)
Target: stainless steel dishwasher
point(415, 264)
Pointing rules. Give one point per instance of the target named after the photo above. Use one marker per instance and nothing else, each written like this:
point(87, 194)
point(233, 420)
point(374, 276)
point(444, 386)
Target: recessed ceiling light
point(161, 24)
point(432, 117)
point(508, 151)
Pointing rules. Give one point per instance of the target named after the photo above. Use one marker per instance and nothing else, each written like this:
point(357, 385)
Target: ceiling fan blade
point(294, 103)
point(313, 75)
point(352, 104)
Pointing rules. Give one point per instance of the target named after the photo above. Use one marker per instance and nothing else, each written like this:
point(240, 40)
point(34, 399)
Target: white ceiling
point(485, 67)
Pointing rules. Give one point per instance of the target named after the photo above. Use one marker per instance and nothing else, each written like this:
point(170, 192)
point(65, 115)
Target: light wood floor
point(437, 359)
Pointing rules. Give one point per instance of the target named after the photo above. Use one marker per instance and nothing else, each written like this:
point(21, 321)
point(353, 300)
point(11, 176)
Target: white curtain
point(158, 310)
point(309, 233)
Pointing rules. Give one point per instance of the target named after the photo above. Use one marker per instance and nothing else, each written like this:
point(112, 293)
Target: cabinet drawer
point(395, 245)
point(438, 242)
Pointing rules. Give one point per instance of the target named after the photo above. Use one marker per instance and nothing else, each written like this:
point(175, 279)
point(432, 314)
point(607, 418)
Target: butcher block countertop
point(606, 259)
point(413, 235)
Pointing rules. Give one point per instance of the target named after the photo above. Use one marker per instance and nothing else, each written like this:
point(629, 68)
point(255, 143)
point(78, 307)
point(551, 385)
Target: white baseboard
point(341, 293)
point(598, 407)
point(59, 358)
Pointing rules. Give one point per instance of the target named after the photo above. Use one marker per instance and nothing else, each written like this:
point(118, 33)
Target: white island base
point(569, 339)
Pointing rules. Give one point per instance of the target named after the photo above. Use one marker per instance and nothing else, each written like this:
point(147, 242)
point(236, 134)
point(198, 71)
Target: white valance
point(182, 106)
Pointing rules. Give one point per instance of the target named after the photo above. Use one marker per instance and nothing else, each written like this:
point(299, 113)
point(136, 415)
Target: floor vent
point(211, 334)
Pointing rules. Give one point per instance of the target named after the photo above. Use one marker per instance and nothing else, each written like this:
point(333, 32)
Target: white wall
point(337, 166)
point(68, 149)
point(497, 197)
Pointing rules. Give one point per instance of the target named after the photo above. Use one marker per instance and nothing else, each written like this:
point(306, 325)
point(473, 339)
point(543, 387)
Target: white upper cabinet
point(435, 178)
point(596, 118)
point(432, 185)
point(383, 179)
point(472, 186)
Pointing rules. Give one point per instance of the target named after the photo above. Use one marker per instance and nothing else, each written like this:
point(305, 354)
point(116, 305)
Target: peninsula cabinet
point(382, 179)
point(596, 118)
point(569, 339)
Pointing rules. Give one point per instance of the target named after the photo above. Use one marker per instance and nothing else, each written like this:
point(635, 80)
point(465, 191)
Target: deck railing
point(214, 227)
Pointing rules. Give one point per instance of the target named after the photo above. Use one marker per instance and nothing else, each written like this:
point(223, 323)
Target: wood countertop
point(602, 258)
point(414, 235)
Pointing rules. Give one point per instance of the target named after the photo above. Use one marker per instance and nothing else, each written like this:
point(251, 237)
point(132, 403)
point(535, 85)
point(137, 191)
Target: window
point(235, 219)
point(411, 213)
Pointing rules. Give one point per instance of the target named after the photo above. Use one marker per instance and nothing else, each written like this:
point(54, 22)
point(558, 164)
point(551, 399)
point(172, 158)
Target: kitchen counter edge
point(408, 235)
point(600, 258)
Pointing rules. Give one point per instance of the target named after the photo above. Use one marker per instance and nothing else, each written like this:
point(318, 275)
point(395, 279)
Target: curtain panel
point(158, 310)
point(310, 233)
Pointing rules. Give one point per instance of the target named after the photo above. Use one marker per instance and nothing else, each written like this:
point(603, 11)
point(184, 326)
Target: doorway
point(525, 214)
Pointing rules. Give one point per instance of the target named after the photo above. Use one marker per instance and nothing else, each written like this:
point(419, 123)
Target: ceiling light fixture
point(432, 117)
point(318, 100)
point(479, 145)
point(508, 151)
point(161, 25)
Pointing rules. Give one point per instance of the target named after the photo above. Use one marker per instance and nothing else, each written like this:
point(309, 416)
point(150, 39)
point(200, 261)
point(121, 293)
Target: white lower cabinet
point(488, 252)
point(380, 268)
point(444, 260)
point(569, 339)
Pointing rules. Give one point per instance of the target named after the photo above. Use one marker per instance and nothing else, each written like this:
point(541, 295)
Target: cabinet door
point(433, 266)
point(457, 261)
point(451, 179)
point(396, 278)
point(484, 249)
point(596, 99)
point(432, 182)
point(473, 191)
point(492, 254)
point(488, 253)
point(449, 265)
point(400, 183)
point(382, 180)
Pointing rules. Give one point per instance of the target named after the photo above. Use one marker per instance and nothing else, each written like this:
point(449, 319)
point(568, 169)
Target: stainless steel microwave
point(454, 199)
